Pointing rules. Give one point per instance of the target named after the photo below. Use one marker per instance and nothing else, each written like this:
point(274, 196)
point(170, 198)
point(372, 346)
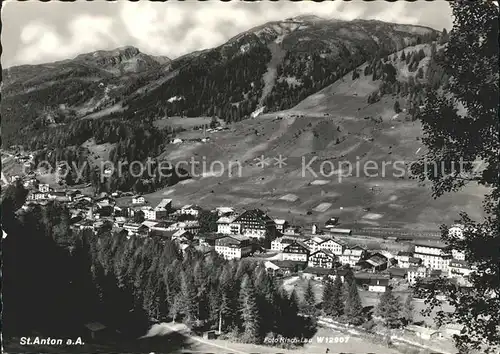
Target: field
point(227, 171)
point(331, 155)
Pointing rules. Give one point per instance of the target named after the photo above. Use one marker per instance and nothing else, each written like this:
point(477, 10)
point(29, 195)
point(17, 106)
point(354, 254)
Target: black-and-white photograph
point(293, 177)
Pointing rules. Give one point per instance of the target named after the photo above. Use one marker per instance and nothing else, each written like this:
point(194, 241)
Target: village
point(289, 252)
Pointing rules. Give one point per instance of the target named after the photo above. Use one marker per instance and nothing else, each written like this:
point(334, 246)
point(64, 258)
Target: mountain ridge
point(226, 81)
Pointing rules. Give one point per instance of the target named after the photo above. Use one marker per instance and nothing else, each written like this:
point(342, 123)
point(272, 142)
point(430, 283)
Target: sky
point(36, 32)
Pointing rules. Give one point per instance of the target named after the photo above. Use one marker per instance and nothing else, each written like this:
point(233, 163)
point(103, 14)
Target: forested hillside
point(226, 81)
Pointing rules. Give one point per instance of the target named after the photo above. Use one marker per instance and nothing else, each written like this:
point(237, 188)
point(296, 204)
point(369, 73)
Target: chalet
point(255, 223)
point(352, 256)
point(43, 187)
point(149, 213)
point(121, 211)
point(162, 226)
point(458, 255)
point(403, 259)
point(233, 247)
point(296, 251)
point(30, 183)
point(38, 196)
point(322, 259)
point(415, 273)
point(313, 243)
point(433, 255)
point(224, 225)
point(138, 199)
point(456, 231)
point(191, 226)
point(334, 246)
point(281, 224)
point(459, 268)
point(280, 243)
point(375, 282)
point(192, 210)
point(292, 231)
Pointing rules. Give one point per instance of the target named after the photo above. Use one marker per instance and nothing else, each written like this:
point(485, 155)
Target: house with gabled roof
point(233, 247)
point(255, 223)
point(353, 255)
point(296, 251)
point(322, 259)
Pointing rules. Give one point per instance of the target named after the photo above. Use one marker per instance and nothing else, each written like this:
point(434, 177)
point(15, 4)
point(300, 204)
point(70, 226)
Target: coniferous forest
point(56, 280)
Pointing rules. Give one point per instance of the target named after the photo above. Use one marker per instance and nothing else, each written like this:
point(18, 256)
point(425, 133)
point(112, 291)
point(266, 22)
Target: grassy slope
point(305, 131)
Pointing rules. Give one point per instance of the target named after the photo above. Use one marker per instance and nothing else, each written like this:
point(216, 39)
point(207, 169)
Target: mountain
point(274, 65)
point(332, 92)
point(352, 122)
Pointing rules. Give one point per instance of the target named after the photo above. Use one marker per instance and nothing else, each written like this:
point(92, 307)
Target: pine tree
point(353, 309)
point(337, 305)
point(389, 309)
point(327, 297)
point(408, 308)
point(188, 304)
point(293, 302)
point(309, 299)
point(249, 311)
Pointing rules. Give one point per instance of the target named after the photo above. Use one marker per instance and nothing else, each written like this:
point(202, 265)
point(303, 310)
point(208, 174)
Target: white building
point(192, 210)
point(44, 188)
point(415, 273)
point(330, 244)
point(296, 251)
point(233, 247)
point(224, 225)
point(457, 231)
point(149, 213)
point(433, 255)
point(164, 204)
point(378, 285)
point(138, 199)
point(38, 196)
point(459, 268)
point(280, 225)
point(352, 256)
